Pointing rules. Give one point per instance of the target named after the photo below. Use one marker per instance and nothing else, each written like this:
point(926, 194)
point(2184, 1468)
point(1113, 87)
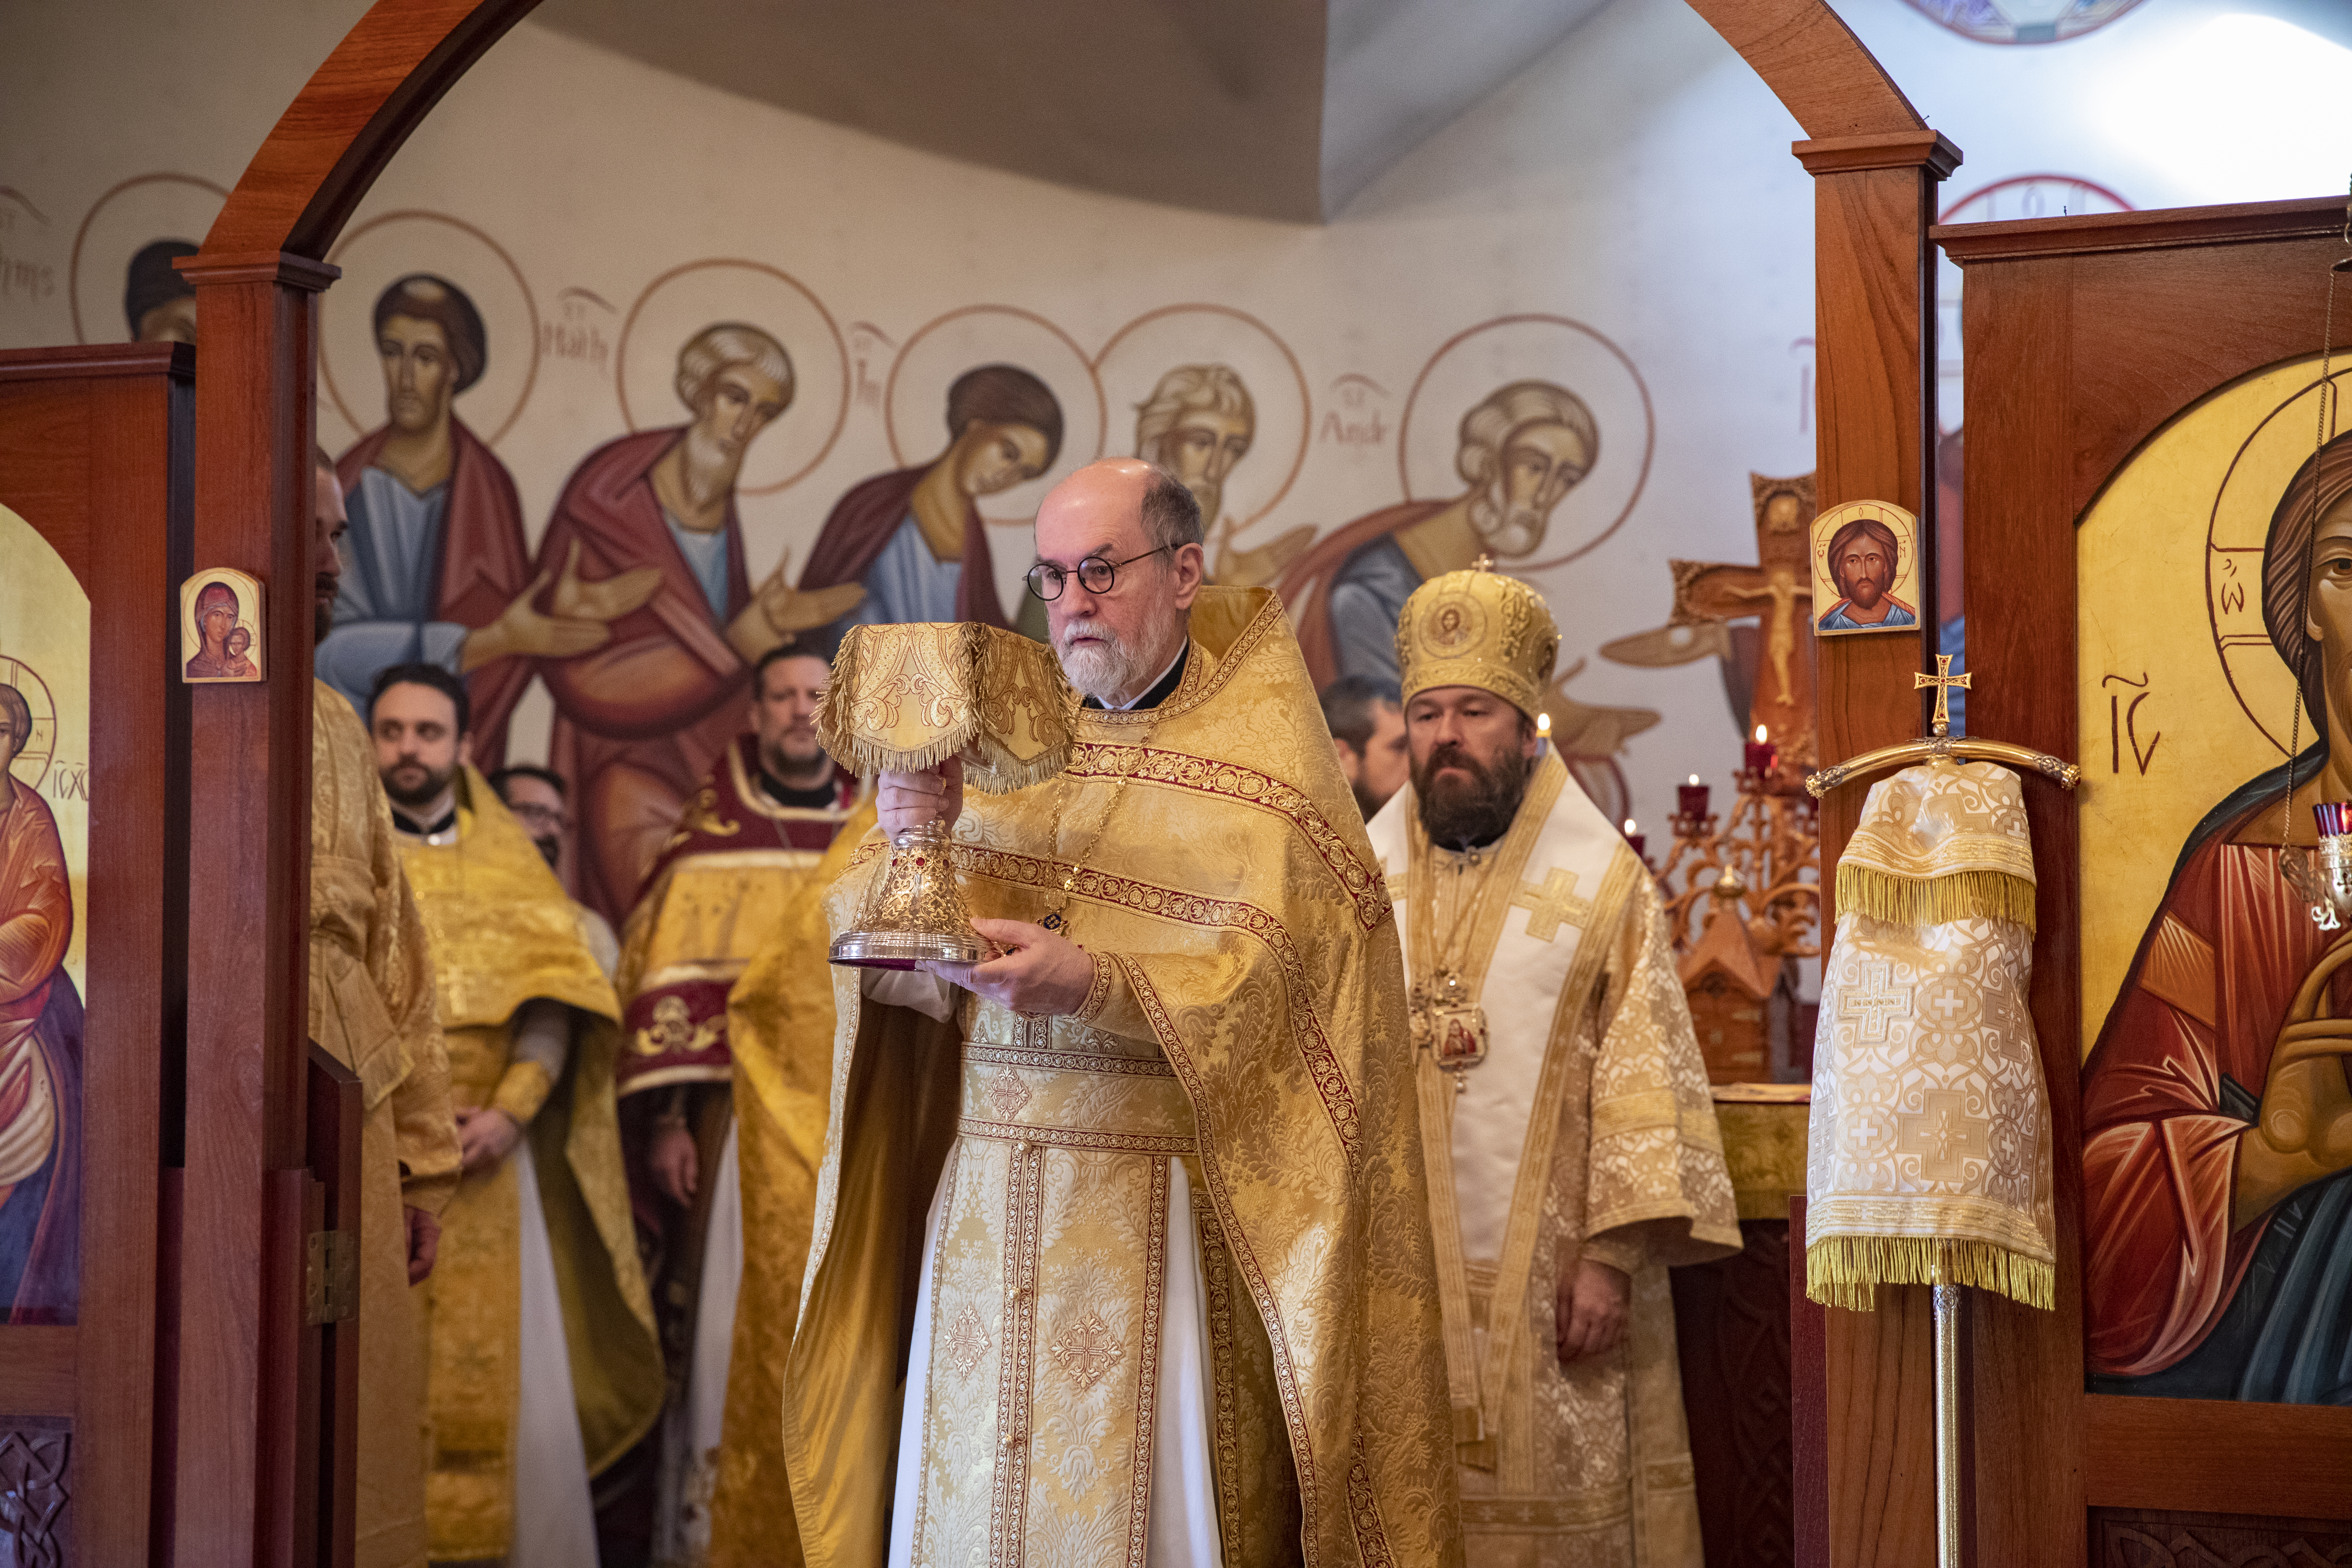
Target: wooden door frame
point(1875, 164)
point(2083, 337)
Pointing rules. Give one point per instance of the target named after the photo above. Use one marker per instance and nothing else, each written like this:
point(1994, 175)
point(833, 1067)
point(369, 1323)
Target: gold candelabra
point(1770, 844)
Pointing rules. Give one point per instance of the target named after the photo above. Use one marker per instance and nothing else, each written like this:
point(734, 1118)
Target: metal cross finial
point(1943, 680)
point(1485, 562)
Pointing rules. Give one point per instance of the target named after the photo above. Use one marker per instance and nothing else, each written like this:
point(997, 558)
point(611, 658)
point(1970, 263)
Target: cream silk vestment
point(1587, 1131)
point(372, 1009)
point(1929, 1159)
point(503, 935)
point(1247, 1000)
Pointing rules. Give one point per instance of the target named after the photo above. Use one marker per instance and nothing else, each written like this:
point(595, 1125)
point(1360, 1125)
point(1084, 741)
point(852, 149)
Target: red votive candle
point(2334, 817)
point(1638, 841)
point(1763, 756)
point(1691, 799)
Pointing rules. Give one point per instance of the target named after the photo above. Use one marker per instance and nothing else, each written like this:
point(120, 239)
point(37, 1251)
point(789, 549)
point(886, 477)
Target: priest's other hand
point(1590, 1315)
point(673, 1161)
point(907, 801)
point(486, 1136)
point(423, 1244)
point(1038, 972)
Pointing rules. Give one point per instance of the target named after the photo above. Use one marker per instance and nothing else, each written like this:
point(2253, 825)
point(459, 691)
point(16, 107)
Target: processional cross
point(1777, 591)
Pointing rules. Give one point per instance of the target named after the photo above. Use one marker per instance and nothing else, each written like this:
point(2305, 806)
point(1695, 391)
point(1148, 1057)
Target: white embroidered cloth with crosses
point(1929, 1157)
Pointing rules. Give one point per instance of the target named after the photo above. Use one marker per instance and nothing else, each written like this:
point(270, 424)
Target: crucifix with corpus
point(1777, 657)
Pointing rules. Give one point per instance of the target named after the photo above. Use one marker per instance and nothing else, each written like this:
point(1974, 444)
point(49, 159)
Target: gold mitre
point(1477, 627)
point(906, 697)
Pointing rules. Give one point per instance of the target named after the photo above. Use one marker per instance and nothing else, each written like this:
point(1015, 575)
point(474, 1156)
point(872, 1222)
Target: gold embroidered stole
point(1476, 1385)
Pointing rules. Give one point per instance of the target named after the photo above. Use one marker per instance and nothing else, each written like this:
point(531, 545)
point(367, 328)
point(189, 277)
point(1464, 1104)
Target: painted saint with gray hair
point(1520, 450)
point(645, 548)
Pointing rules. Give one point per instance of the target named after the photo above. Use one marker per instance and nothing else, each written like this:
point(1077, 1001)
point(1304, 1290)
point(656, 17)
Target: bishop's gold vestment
point(1241, 1031)
point(1587, 1131)
point(372, 1008)
point(503, 935)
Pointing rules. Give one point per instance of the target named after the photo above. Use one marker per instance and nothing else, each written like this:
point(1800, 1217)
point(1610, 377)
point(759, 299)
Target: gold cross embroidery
point(1552, 905)
point(1942, 1134)
point(1878, 999)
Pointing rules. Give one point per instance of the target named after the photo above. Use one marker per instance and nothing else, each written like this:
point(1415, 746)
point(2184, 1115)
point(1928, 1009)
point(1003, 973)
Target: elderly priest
point(1137, 1204)
point(1571, 1142)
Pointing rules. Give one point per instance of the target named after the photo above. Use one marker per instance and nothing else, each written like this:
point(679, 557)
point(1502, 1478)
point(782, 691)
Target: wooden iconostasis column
point(249, 922)
point(1871, 1503)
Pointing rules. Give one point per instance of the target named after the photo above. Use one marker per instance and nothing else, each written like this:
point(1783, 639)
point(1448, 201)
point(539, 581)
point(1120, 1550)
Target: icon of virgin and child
point(2217, 1103)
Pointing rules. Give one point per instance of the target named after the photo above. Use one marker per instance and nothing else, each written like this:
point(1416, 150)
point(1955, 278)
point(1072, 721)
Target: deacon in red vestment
point(40, 1051)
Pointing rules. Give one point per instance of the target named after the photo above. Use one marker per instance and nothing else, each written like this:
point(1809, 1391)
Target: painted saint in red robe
point(645, 541)
point(40, 1051)
point(913, 540)
point(2217, 1108)
point(436, 571)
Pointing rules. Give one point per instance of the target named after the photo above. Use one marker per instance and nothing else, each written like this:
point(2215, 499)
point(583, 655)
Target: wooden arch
point(1863, 1482)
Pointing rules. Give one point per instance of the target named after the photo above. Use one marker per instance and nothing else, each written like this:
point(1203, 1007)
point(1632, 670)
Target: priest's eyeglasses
point(1095, 574)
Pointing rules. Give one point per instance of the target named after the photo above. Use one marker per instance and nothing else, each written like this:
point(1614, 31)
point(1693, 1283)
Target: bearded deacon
point(542, 1364)
point(727, 1173)
point(1137, 1205)
point(1571, 1142)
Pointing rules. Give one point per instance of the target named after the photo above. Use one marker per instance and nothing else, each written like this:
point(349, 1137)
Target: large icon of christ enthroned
point(2214, 676)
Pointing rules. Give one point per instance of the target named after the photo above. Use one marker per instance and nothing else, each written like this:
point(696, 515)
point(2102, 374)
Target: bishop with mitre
point(1570, 1138)
point(1137, 1205)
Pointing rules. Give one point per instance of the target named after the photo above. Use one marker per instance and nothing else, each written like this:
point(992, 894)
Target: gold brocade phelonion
point(1055, 919)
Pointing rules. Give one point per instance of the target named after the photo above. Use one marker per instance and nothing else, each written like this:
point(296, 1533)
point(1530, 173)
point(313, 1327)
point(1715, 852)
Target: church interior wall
point(1623, 216)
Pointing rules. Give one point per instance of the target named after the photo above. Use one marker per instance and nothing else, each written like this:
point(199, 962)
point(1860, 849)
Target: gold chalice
point(905, 699)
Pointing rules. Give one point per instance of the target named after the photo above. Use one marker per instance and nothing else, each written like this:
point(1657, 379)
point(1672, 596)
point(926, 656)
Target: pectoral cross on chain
point(1943, 680)
point(1552, 905)
point(1879, 999)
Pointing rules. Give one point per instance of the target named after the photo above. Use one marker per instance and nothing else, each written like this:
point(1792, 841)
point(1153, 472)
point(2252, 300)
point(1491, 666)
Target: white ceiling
point(1277, 109)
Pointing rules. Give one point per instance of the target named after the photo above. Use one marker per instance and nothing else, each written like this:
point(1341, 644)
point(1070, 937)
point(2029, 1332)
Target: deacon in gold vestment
point(372, 1009)
point(1571, 1144)
point(543, 1366)
point(1174, 1302)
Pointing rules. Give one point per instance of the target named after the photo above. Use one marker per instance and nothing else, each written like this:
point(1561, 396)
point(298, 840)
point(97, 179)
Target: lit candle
point(1543, 733)
point(1635, 839)
point(1692, 799)
point(1763, 756)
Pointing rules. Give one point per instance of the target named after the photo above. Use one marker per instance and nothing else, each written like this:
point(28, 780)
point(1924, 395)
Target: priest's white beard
point(1109, 670)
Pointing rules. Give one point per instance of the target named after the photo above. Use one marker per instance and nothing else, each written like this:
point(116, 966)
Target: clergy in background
point(650, 520)
point(735, 869)
point(914, 539)
point(437, 569)
point(1572, 1143)
point(1520, 450)
point(543, 1366)
point(537, 798)
point(1367, 722)
point(1138, 1206)
point(372, 1007)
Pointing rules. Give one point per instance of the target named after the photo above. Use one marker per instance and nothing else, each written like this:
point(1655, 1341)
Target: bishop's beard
point(1457, 814)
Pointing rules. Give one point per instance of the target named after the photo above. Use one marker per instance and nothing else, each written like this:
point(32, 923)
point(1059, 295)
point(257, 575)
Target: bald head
point(1137, 517)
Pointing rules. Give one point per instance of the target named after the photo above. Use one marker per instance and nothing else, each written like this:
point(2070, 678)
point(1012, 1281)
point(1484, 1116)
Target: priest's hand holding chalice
point(928, 708)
